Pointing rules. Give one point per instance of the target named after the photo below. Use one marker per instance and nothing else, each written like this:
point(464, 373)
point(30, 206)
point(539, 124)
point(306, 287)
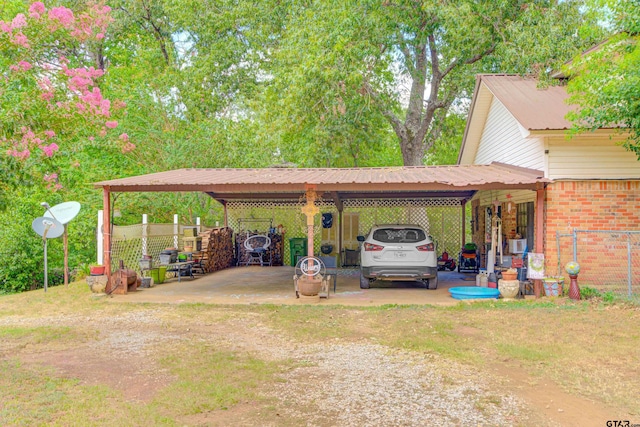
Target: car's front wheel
point(364, 282)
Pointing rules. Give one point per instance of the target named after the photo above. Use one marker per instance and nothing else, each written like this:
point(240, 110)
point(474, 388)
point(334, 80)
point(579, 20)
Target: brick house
point(595, 181)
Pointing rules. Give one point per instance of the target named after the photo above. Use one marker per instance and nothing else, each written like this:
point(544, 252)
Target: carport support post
point(226, 214)
point(106, 233)
point(463, 204)
point(537, 284)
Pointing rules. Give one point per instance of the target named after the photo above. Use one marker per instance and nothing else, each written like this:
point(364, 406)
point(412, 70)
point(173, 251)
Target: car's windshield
point(399, 235)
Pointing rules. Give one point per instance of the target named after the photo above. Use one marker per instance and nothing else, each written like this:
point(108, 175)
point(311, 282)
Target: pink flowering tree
point(50, 90)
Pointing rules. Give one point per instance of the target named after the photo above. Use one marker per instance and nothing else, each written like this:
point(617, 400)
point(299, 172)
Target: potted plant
point(97, 270)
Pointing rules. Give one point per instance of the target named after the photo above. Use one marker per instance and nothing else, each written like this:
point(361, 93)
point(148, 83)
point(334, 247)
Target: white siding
point(475, 124)
point(502, 141)
point(591, 157)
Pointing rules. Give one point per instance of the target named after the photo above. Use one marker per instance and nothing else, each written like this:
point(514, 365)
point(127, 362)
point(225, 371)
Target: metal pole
point(65, 244)
point(45, 264)
point(558, 249)
point(575, 245)
point(629, 264)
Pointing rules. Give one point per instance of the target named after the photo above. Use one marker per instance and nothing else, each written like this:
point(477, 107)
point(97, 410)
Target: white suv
point(398, 252)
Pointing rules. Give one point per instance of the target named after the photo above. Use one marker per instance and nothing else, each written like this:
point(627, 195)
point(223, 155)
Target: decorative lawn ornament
point(573, 268)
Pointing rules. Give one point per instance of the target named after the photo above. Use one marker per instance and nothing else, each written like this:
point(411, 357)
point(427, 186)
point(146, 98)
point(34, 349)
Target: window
point(399, 235)
point(524, 221)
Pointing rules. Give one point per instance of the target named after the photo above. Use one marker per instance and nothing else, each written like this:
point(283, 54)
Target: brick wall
point(587, 205)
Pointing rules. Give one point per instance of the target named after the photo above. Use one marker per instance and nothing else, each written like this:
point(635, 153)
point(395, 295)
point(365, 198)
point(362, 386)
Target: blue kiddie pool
point(473, 292)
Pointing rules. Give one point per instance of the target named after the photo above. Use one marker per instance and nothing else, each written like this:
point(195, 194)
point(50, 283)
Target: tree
point(54, 121)
point(409, 61)
point(605, 83)
point(50, 96)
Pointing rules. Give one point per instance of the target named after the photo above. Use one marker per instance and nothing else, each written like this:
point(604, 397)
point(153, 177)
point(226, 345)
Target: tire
point(433, 283)
point(453, 267)
point(364, 282)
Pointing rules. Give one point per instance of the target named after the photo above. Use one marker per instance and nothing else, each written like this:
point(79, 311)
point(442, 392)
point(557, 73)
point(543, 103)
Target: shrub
point(588, 293)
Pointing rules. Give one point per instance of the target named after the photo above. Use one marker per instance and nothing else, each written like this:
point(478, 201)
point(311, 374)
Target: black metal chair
point(198, 264)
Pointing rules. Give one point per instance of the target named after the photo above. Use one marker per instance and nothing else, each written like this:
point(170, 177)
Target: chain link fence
point(609, 260)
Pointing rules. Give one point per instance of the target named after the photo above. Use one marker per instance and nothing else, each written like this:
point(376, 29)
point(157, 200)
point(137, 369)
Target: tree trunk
point(412, 151)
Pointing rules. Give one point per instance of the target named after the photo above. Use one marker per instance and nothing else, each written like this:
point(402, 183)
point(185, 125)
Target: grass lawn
point(68, 358)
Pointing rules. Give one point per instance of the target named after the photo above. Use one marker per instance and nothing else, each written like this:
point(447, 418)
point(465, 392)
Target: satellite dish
point(48, 228)
point(64, 212)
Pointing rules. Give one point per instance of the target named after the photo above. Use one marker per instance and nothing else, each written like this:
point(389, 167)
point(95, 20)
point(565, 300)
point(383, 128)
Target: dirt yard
point(69, 358)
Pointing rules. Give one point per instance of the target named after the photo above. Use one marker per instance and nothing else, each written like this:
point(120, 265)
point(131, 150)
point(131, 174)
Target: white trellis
point(441, 217)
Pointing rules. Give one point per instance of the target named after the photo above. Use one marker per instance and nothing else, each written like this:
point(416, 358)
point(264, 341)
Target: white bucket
point(484, 280)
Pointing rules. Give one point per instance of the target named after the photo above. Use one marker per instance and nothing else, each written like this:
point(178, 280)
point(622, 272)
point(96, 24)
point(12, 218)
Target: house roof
point(343, 183)
point(534, 108)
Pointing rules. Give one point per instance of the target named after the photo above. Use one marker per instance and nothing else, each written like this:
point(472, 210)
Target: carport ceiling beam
point(408, 195)
point(339, 197)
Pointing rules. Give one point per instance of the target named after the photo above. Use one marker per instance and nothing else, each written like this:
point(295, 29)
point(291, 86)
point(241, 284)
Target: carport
point(308, 188)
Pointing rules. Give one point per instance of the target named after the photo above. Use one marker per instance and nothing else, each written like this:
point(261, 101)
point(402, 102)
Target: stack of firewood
point(276, 250)
point(217, 245)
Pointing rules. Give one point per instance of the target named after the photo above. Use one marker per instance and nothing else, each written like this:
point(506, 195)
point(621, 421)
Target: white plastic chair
point(256, 250)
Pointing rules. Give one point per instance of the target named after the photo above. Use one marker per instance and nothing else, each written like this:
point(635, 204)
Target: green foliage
point(342, 76)
point(605, 83)
point(247, 84)
point(587, 292)
point(608, 297)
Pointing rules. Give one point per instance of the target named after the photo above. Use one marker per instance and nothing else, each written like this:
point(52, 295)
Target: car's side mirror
point(360, 238)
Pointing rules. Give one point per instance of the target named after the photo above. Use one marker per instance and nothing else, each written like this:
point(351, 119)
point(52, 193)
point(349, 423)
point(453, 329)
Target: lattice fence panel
point(128, 243)
point(442, 218)
point(283, 213)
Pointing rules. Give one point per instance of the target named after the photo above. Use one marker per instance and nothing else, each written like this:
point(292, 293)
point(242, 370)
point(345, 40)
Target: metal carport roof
point(288, 184)
point(402, 182)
